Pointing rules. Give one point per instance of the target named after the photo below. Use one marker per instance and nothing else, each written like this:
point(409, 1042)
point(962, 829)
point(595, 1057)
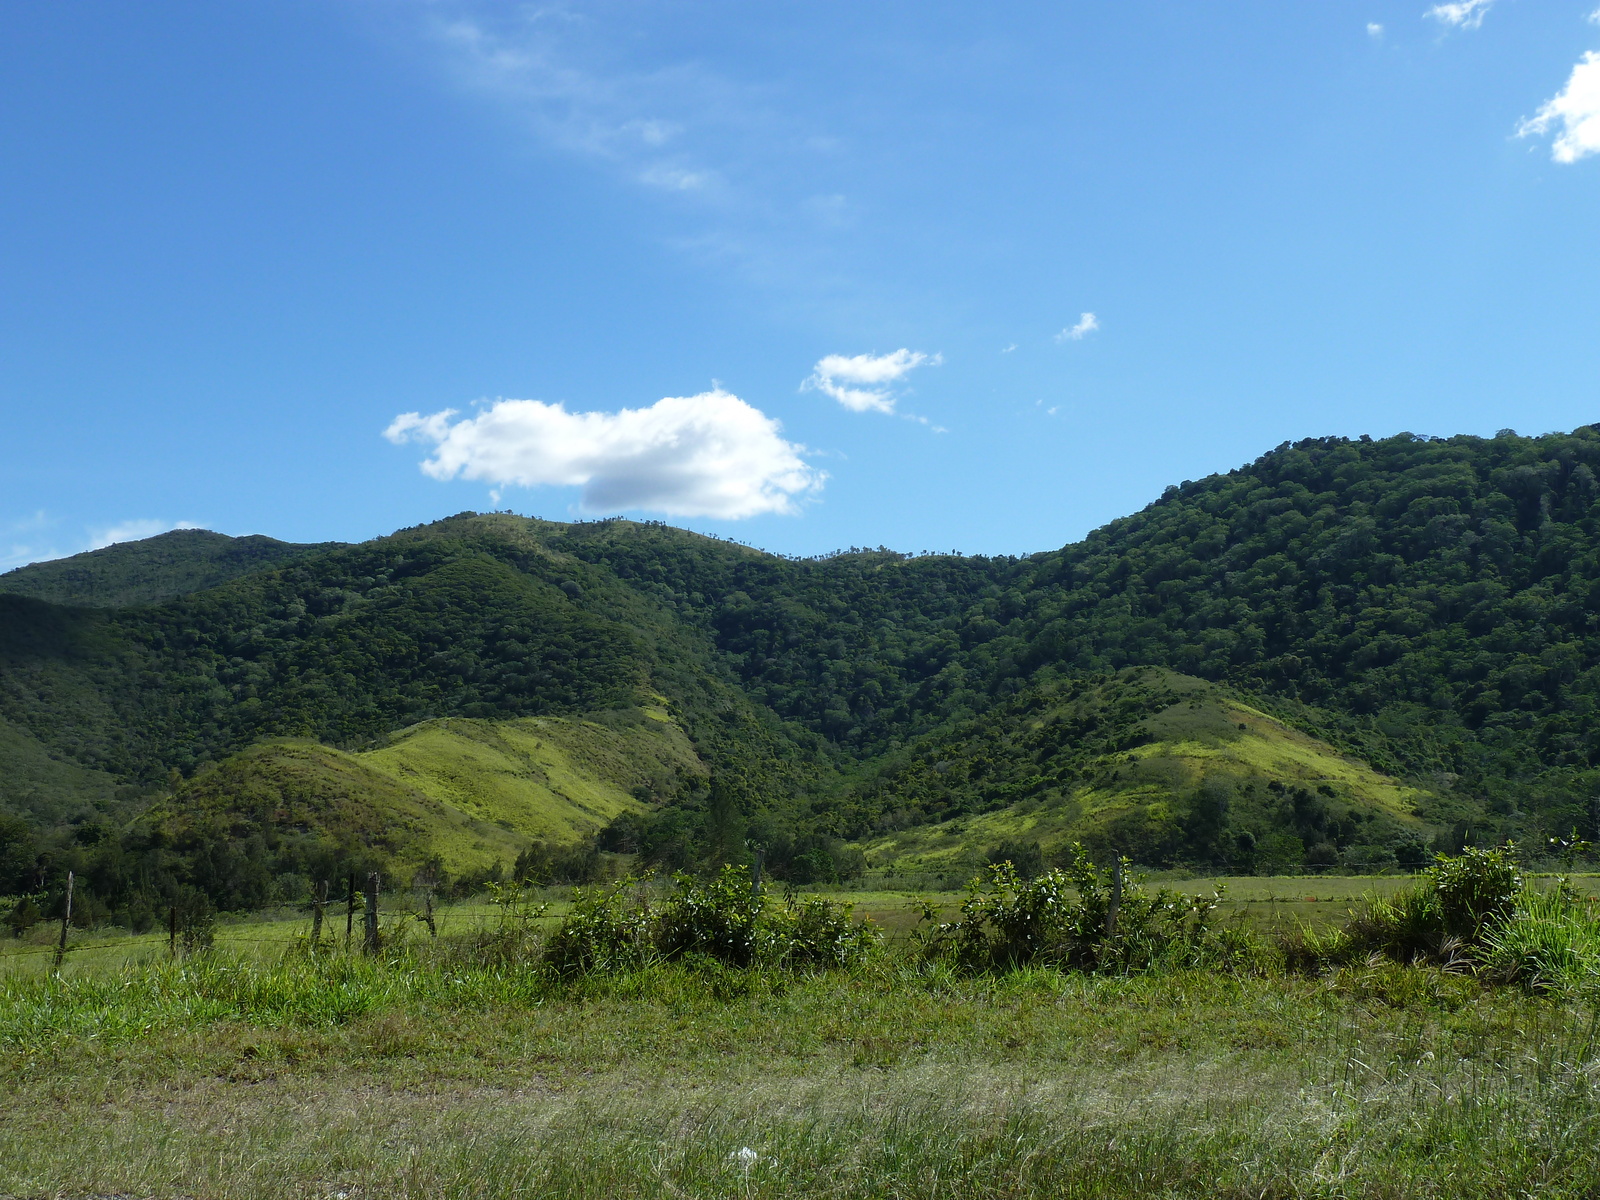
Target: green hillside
point(1427, 607)
point(1159, 767)
point(466, 794)
point(151, 570)
point(547, 778)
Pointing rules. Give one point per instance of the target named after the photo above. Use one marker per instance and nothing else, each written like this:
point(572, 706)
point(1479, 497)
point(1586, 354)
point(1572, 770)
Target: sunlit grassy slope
point(1147, 792)
point(543, 777)
point(473, 792)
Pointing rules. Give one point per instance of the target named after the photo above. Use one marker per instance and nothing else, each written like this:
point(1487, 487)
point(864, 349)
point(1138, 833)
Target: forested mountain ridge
point(1430, 605)
point(152, 570)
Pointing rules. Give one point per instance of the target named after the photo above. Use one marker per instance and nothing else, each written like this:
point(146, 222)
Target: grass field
point(356, 1078)
point(1270, 904)
point(439, 1070)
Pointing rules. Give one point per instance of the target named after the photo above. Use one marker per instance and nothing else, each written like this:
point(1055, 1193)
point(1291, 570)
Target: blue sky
point(936, 276)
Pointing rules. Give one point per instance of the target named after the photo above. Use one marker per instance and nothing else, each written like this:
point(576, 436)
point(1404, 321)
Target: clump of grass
point(1550, 942)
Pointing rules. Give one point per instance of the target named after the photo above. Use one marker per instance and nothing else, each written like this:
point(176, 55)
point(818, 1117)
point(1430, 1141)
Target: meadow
point(444, 1067)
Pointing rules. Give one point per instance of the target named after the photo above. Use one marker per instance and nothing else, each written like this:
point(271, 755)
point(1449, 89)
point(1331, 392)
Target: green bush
point(1475, 888)
point(1064, 918)
point(1473, 911)
point(720, 919)
point(602, 932)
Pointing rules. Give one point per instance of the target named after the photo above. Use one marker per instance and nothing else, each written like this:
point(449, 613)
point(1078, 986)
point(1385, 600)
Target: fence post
point(319, 901)
point(350, 913)
point(172, 931)
point(66, 919)
point(1116, 898)
point(427, 911)
point(370, 942)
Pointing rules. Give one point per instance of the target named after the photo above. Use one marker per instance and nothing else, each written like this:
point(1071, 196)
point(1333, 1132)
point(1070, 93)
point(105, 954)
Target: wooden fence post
point(172, 931)
point(350, 913)
point(66, 919)
point(427, 911)
point(370, 942)
point(319, 901)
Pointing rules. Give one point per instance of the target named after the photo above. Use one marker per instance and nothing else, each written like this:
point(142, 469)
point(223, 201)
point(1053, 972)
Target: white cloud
point(1008, 349)
point(710, 455)
point(133, 531)
point(560, 76)
point(1463, 14)
point(1594, 17)
point(1374, 30)
point(862, 383)
point(1087, 324)
point(1576, 109)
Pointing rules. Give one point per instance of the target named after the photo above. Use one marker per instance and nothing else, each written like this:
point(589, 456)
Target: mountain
point(460, 796)
point(152, 570)
point(1146, 763)
point(1408, 629)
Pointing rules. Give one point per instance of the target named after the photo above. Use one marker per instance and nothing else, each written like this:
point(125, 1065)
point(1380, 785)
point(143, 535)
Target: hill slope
point(1428, 606)
point(1159, 767)
point(153, 569)
point(465, 795)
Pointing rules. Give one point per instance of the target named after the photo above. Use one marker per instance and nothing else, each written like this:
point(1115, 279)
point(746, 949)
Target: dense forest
point(1428, 606)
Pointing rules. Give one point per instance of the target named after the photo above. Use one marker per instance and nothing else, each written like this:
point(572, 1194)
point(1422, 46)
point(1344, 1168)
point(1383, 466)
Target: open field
point(457, 1067)
point(1270, 904)
point(421, 1076)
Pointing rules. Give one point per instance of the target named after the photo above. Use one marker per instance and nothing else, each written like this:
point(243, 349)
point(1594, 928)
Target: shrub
point(1475, 888)
point(1446, 919)
point(720, 917)
point(720, 920)
point(820, 933)
point(602, 932)
point(1064, 918)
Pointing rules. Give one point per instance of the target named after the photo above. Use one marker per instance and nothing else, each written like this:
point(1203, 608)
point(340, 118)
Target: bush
point(718, 919)
point(24, 915)
point(1475, 888)
point(1446, 919)
point(602, 932)
point(1064, 918)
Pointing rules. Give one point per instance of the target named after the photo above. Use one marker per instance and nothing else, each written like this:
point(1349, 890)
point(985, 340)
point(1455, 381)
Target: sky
point(927, 275)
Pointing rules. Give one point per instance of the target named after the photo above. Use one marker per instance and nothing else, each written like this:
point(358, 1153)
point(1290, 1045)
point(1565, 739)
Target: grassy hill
point(153, 569)
point(468, 793)
point(1172, 770)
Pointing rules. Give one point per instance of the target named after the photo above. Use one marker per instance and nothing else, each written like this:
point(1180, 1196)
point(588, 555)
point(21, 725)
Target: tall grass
point(469, 1066)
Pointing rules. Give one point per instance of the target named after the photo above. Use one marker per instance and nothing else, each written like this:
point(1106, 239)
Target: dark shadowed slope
point(152, 570)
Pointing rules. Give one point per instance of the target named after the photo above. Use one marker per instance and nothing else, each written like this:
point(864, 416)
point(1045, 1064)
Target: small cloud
point(1052, 410)
point(134, 531)
point(1374, 30)
point(653, 133)
point(675, 179)
point(862, 382)
point(1594, 17)
point(710, 455)
point(22, 541)
point(1087, 324)
point(1008, 349)
point(1462, 14)
point(1576, 109)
